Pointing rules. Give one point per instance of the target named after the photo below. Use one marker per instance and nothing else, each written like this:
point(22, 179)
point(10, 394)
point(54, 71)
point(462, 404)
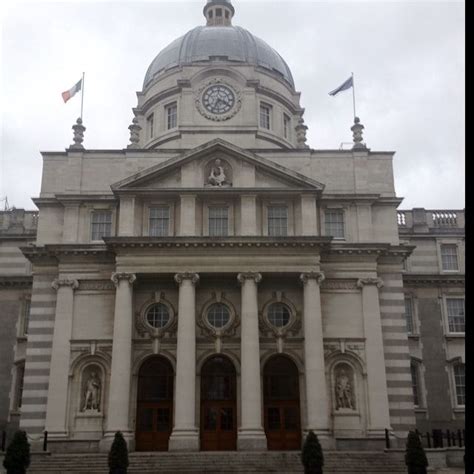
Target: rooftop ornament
point(134, 134)
point(357, 129)
point(78, 138)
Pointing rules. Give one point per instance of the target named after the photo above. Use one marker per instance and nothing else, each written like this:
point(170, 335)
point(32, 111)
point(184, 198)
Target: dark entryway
point(154, 405)
point(218, 405)
point(281, 397)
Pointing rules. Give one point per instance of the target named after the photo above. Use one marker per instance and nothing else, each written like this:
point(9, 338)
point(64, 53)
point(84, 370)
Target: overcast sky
point(407, 57)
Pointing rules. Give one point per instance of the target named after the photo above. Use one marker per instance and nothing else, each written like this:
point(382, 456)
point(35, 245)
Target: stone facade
point(219, 237)
point(434, 286)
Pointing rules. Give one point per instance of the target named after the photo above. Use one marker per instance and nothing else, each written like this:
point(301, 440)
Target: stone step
point(336, 462)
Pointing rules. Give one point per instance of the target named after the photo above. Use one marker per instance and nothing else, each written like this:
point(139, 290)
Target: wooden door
point(218, 405)
point(155, 405)
point(281, 404)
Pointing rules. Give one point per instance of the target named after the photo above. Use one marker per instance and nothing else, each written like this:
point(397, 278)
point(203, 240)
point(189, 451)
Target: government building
point(221, 285)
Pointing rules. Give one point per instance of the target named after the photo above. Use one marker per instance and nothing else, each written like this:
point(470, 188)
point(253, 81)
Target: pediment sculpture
point(219, 174)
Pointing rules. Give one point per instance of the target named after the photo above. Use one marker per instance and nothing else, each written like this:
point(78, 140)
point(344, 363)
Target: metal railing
point(436, 438)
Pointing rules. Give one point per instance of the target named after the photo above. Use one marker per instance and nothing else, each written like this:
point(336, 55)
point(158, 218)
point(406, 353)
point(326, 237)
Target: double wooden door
point(154, 421)
point(154, 425)
point(218, 405)
point(282, 416)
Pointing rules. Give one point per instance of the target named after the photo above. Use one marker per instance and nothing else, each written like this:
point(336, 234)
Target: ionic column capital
point(58, 283)
point(256, 277)
point(116, 277)
point(369, 281)
point(318, 276)
point(192, 277)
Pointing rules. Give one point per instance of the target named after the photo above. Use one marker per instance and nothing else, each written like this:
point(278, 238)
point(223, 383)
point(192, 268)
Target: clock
point(218, 100)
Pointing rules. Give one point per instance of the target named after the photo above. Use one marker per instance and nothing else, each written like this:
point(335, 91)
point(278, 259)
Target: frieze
point(97, 285)
point(339, 284)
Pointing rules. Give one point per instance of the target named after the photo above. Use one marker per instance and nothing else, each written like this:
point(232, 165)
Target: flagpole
point(82, 94)
point(353, 95)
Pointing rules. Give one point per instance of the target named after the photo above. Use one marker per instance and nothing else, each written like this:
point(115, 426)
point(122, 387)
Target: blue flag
point(344, 86)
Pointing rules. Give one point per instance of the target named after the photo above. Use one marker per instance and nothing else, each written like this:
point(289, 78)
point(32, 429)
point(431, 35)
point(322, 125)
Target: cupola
point(219, 12)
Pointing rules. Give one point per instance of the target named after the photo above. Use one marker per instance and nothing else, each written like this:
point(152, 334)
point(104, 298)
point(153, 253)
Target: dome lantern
point(219, 12)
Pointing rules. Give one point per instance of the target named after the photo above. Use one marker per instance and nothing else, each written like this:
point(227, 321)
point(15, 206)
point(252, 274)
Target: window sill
point(459, 410)
point(420, 410)
point(22, 338)
point(459, 335)
point(413, 336)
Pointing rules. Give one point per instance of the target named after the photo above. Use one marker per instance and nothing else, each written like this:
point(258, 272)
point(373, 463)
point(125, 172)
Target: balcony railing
point(430, 219)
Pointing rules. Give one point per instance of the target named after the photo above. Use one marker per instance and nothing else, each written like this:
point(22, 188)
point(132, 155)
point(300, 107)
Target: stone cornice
point(217, 242)
point(213, 191)
point(7, 282)
point(430, 280)
point(386, 250)
point(53, 254)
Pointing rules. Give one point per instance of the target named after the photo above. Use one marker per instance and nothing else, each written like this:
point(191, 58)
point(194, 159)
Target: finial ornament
point(301, 129)
point(357, 129)
point(78, 138)
point(134, 133)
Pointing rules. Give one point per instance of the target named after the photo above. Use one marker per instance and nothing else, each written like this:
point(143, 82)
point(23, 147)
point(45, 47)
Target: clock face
point(218, 99)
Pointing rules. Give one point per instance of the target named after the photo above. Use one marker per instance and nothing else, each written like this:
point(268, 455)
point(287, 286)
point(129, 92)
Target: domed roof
point(231, 43)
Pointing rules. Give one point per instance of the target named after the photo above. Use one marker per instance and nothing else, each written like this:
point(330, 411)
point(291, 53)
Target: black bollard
point(45, 441)
point(428, 439)
point(387, 439)
point(448, 437)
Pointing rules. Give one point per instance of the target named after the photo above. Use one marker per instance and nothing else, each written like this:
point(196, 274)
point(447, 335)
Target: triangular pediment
point(194, 168)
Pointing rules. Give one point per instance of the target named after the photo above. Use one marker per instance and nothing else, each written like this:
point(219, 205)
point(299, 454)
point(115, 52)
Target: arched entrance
point(154, 405)
point(218, 405)
point(281, 398)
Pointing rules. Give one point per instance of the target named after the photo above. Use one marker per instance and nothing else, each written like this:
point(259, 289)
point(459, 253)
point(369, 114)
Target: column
point(317, 411)
point(185, 436)
point(379, 416)
point(56, 411)
point(251, 435)
point(118, 416)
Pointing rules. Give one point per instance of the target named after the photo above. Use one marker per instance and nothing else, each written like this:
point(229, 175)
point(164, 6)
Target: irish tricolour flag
point(72, 91)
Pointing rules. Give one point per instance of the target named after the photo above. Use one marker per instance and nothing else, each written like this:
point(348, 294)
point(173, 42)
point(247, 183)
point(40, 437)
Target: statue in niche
point(217, 175)
point(92, 393)
point(343, 391)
